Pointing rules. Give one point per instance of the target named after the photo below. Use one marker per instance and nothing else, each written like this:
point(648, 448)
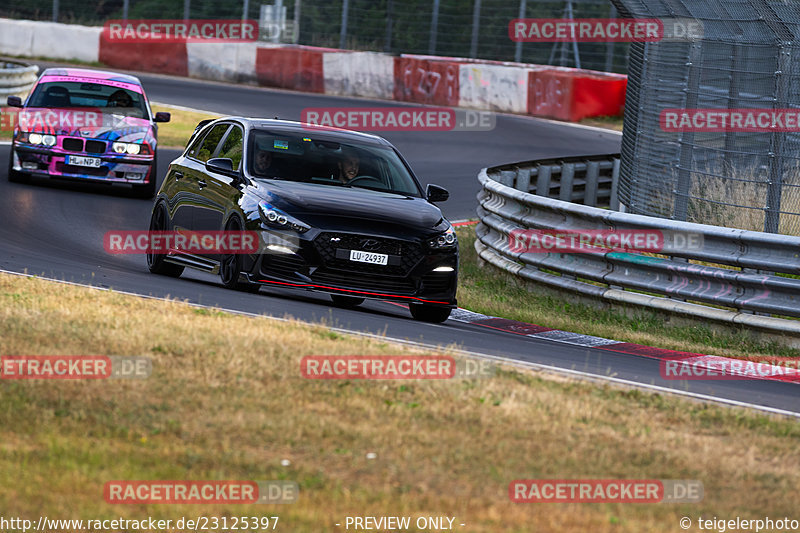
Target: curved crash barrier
point(749, 292)
point(16, 79)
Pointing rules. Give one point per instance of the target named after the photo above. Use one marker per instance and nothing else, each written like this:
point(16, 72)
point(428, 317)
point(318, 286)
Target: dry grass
point(176, 132)
point(225, 401)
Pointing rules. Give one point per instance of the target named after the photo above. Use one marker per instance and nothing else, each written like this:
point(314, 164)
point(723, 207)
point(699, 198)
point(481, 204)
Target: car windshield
point(72, 94)
point(304, 158)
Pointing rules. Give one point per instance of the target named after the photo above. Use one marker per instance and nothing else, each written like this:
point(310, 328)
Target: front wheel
point(230, 266)
point(13, 175)
point(156, 262)
point(429, 313)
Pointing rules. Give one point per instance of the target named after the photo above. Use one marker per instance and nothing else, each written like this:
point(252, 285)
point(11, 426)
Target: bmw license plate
point(369, 257)
point(81, 161)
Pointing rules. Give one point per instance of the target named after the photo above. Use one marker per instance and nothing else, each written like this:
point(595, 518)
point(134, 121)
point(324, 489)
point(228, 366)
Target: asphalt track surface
point(56, 230)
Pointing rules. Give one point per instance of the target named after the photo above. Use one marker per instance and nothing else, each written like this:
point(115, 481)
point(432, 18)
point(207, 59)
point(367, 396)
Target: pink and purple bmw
point(87, 125)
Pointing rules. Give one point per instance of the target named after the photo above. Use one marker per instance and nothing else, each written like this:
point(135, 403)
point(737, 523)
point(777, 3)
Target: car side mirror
point(162, 117)
point(434, 193)
point(14, 101)
point(221, 165)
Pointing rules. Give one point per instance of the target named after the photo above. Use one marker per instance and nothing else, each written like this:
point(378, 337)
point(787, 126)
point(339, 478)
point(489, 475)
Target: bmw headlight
point(274, 217)
point(443, 241)
point(126, 148)
point(39, 138)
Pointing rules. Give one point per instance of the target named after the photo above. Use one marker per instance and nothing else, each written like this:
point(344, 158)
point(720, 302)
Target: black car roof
point(324, 133)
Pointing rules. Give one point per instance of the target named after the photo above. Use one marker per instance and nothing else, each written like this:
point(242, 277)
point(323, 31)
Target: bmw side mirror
point(162, 117)
point(14, 101)
point(221, 165)
point(434, 193)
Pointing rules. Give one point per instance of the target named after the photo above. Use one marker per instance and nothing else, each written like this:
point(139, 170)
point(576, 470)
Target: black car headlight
point(274, 217)
point(444, 241)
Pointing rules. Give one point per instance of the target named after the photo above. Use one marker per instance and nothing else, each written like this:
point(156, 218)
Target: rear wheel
point(230, 266)
point(346, 301)
point(429, 313)
point(13, 175)
point(156, 262)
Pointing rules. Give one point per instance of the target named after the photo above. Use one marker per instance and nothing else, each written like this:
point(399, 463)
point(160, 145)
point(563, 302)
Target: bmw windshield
point(310, 160)
point(108, 99)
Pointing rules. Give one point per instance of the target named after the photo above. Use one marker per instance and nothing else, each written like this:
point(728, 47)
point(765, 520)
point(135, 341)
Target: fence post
point(434, 28)
point(476, 23)
point(518, 47)
point(343, 31)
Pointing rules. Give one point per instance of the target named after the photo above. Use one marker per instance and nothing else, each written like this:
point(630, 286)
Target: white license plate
point(368, 257)
point(80, 161)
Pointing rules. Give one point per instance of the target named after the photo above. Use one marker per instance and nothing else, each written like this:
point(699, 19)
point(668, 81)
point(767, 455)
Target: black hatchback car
point(337, 211)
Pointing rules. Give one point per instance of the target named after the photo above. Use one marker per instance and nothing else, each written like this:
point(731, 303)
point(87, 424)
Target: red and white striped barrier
point(553, 92)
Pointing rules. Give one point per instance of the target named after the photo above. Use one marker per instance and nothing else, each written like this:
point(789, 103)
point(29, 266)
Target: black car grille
point(364, 282)
point(436, 281)
point(77, 145)
point(406, 254)
point(73, 145)
point(95, 147)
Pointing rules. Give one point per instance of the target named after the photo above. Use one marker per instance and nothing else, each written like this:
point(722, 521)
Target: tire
point(230, 266)
point(156, 262)
point(15, 176)
point(346, 301)
point(429, 313)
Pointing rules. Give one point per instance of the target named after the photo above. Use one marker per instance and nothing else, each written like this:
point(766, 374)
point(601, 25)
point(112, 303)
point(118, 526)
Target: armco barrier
point(367, 74)
point(16, 78)
point(165, 58)
point(426, 81)
point(493, 87)
point(751, 284)
point(222, 61)
point(291, 67)
point(569, 94)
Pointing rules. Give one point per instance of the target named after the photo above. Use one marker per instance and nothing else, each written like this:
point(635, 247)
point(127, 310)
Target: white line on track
point(586, 376)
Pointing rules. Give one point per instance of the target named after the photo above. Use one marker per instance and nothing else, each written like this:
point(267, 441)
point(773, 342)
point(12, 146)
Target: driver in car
point(348, 166)
point(120, 98)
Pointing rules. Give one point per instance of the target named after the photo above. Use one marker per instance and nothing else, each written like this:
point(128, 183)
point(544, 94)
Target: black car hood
point(309, 200)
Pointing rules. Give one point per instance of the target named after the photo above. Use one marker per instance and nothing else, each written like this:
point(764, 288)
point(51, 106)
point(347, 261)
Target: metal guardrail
point(16, 78)
point(750, 288)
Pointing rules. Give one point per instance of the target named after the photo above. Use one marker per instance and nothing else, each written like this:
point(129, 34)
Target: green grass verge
point(488, 290)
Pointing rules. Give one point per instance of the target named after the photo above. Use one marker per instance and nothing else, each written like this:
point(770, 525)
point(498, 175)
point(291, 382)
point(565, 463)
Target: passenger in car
point(348, 166)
